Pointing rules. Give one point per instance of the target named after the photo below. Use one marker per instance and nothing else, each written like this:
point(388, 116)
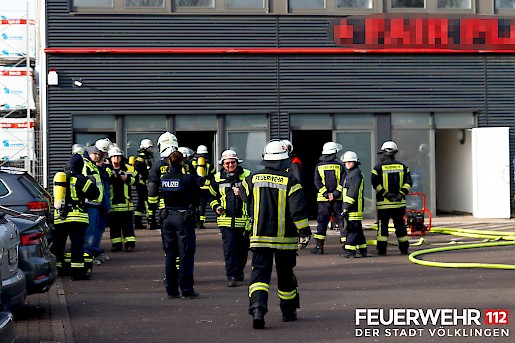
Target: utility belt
point(167, 211)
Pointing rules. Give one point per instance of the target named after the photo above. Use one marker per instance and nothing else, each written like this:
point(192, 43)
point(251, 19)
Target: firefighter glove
point(391, 196)
point(248, 228)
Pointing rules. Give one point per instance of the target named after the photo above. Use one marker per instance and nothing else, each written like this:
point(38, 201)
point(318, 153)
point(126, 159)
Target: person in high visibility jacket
point(97, 208)
point(392, 181)
point(72, 219)
point(232, 214)
point(142, 165)
point(205, 171)
point(121, 227)
point(329, 176)
point(279, 217)
point(352, 238)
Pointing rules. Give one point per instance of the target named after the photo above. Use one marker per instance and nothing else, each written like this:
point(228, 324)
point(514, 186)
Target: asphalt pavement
point(126, 301)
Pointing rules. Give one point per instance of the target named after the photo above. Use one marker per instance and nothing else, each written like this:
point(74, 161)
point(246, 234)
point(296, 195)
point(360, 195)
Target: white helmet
point(167, 140)
point(228, 155)
point(186, 152)
point(114, 151)
point(78, 149)
point(103, 144)
point(331, 148)
point(349, 156)
point(389, 147)
point(275, 150)
point(289, 145)
point(202, 149)
point(146, 143)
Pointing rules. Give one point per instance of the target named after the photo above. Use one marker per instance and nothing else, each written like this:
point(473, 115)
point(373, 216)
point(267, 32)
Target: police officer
point(167, 143)
point(205, 170)
point(279, 217)
point(232, 214)
point(72, 219)
point(392, 181)
point(329, 175)
point(180, 194)
point(121, 229)
point(142, 165)
point(353, 238)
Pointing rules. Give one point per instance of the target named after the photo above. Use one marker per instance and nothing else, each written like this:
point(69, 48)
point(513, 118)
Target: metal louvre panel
point(306, 32)
point(59, 142)
point(381, 83)
point(279, 125)
point(128, 30)
point(153, 84)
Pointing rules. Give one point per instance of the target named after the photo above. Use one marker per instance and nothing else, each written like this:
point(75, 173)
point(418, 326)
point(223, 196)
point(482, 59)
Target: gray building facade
point(236, 80)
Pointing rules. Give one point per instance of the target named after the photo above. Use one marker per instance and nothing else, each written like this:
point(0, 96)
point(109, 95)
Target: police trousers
point(179, 241)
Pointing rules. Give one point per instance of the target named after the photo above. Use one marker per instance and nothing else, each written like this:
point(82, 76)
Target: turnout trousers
point(179, 241)
point(236, 249)
point(121, 230)
point(287, 288)
point(325, 210)
point(76, 232)
point(397, 216)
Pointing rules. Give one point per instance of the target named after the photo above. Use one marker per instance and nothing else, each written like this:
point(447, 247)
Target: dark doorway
point(308, 146)
point(192, 139)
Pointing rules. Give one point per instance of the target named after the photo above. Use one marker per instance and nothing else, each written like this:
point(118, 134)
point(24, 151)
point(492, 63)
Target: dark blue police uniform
point(181, 194)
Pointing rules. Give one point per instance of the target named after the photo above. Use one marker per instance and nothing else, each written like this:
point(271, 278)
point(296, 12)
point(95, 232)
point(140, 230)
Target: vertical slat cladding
point(59, 142)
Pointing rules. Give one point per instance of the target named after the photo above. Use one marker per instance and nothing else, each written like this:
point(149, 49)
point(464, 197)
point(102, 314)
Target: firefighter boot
point(319, 248)
point(381, 247)
point(258, 317)
point(289, 309)
point(403, 247)
point(363, 252)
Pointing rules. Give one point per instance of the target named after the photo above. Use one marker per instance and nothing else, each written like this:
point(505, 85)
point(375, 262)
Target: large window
point(247, 135)
point(504, 4)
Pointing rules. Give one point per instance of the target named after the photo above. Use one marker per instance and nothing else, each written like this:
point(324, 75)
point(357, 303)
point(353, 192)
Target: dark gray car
point(35, 258)
point(13, 279)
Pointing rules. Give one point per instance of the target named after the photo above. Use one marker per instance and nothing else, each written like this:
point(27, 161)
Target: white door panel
point(491, 172)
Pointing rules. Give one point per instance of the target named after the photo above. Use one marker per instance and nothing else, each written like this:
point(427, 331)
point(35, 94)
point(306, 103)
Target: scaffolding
point(21, 136)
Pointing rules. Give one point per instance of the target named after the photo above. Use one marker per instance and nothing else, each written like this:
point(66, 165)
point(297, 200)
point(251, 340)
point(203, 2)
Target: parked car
point(6, 322)
point(35, 258)
point(21, 192)
point(14, 289)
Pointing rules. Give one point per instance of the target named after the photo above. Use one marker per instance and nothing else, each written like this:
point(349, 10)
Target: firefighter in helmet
point(232, 214)
point(167, 143)
point(205, 171)
point(71, 218)
point(279, 217)
point(352, 238)
point(392, 181)
point(142, 165)
point(295, 164)
point(120, 217)
point(329, 176)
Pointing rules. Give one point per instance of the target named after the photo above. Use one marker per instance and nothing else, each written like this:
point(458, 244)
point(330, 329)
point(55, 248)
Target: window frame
point(431, 7)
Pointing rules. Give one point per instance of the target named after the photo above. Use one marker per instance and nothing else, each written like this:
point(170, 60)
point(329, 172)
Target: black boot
point(258, 318)
point(319, 248)
point(403, 247)
point(138, 223)
point(381, 248)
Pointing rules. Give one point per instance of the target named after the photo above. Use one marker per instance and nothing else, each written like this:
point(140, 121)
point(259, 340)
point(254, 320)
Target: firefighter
point(205, 171)
point(329, 176)
point(97, 208)
point(295, 164)
point(180, 194)
point(279, 217)
point(392, 181)
point(232, 214)
point(167, 143)
point(72, 219)
point(142, 165)
point(120, 216)
point(352, 238)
